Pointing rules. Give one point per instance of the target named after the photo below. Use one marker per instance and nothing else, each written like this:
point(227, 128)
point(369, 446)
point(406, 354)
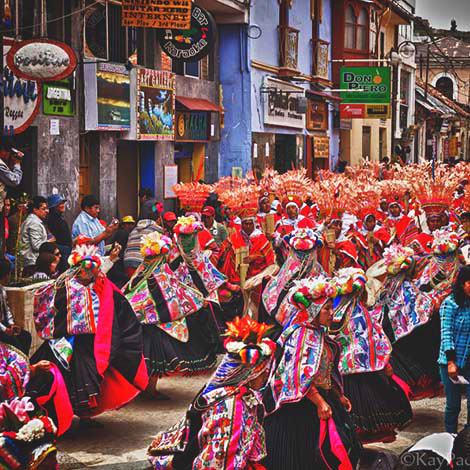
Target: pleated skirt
point(165, 355)
point(379, 405)
point(293, 433)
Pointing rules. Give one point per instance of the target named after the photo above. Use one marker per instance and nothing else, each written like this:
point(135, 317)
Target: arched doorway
point(446, 86)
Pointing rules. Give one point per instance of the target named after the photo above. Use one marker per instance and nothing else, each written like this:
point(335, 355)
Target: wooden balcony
point(320, 61)
point(288, 51)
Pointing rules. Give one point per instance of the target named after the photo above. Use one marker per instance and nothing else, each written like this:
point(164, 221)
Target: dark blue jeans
point(453, 398)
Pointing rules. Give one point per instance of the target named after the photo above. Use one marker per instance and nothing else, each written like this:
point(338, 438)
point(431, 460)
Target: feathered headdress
point(187, 225)
point(86, 256)
point(242, 201)
point(293, 187)
point(192, 196)
point(246, 340)
point(154, 244)
point(333, 197)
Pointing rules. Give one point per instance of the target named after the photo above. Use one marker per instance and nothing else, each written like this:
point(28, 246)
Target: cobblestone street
point(126, 433)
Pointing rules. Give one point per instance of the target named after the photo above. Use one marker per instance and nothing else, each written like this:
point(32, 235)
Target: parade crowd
point(324, 308)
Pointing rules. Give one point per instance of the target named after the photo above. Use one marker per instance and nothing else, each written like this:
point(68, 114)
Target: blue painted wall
point(235, 143)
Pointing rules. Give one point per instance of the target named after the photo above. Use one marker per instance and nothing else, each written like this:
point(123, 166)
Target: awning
point(327, 96)
point(426, 105)
point(198, 104)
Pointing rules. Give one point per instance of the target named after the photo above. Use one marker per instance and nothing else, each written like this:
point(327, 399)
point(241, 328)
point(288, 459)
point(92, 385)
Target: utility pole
point(427, 76)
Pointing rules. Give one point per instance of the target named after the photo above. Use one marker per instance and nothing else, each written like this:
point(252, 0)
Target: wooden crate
point(21, 302)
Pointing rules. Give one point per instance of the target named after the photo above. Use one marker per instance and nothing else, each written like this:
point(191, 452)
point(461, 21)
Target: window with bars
point(201, 69)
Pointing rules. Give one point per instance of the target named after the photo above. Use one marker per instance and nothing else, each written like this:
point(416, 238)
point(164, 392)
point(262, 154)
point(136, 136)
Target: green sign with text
point(58, 99)
point(365, 85)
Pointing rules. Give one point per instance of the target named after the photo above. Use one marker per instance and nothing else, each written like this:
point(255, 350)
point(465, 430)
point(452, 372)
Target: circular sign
point(41, 59)
point(193, 44)
point(21, 98)
point(181, 126)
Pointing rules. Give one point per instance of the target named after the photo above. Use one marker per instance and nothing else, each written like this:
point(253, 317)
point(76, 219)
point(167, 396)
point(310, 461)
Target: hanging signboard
point(41, 59)
point(365, 85)
point(155, 105)
point(192, 126)
point(281, 104)
point(192, 44)
point(21, 99)
point(157, 13)
point(95, 31)
point(317, 115)
point(107, 97)
point(170, 178)
point(321, 146)
point(57, 99)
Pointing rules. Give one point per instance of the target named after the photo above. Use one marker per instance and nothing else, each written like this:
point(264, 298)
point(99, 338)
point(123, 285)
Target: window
point(362, 30)
point(356, 29)
point(201, 69)
point(59, 26)
point(350, 33)
point(446, 86)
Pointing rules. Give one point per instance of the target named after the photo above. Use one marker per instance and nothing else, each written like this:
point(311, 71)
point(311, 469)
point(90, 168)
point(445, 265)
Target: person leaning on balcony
point(34, 234)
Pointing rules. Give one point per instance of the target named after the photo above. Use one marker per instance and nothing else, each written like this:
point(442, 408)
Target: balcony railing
point(289, 50)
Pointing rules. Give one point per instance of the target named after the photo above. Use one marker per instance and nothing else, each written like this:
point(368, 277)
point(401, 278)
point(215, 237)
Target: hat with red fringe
point(293, 187)
point(85, 256)
point(242, 201)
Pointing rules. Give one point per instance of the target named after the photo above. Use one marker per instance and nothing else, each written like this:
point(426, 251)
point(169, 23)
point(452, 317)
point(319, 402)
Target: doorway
point(286, 152)
point(366, 149)
point(127, 178)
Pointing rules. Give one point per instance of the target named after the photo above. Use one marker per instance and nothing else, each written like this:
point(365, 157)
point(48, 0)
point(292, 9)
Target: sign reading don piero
point(157, 13)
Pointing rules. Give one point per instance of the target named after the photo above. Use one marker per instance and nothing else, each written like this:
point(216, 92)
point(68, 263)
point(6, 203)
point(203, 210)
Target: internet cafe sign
point(281, 104)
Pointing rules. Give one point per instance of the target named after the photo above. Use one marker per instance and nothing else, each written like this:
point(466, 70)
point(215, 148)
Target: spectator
point(10, 167)
point(454, 354)
point(33, 233)
point(88, 224)
point(147, 200)
point(169, 222)
point(46, 267)
point(218, 231)
point(10, 332)
point(122, 234)
point(59, 227)
point(132, 255)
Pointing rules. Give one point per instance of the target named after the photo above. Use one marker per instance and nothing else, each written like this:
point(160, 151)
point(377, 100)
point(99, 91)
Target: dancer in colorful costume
point(405, 312)
point(247, 256)
point(308, 425)
point(222, 428)
point(400, 226)
point(92, 335)
point(300, 264)
point(379, 404)
point(178, 333)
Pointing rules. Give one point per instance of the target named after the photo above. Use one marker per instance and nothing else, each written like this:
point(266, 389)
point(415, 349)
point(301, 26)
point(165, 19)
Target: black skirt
point(379, 405)
point(82, 378)
point(414, 359)
point(293, 432)
point(165, 355)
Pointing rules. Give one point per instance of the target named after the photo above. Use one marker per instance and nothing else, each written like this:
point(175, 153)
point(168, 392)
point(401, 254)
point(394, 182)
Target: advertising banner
point(107, 97)
point(365, 85)
point(155, 105)
point(156, 13)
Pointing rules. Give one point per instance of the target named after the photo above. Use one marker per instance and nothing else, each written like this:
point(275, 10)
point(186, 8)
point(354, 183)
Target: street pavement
point(121, 443)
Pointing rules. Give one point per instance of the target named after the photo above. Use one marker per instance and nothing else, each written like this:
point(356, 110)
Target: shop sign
point(352, 111)
point(321, 146)
point(107, 97)
point(155, 105)
point(367, 85)
point(190, 45)
point(453, 146)
point(41, 60)
point(317, 115)
point(156, 13)
point(281, 104)
point(192, 126)
point(57, 99)
point(21, 98)
point(377, 111)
